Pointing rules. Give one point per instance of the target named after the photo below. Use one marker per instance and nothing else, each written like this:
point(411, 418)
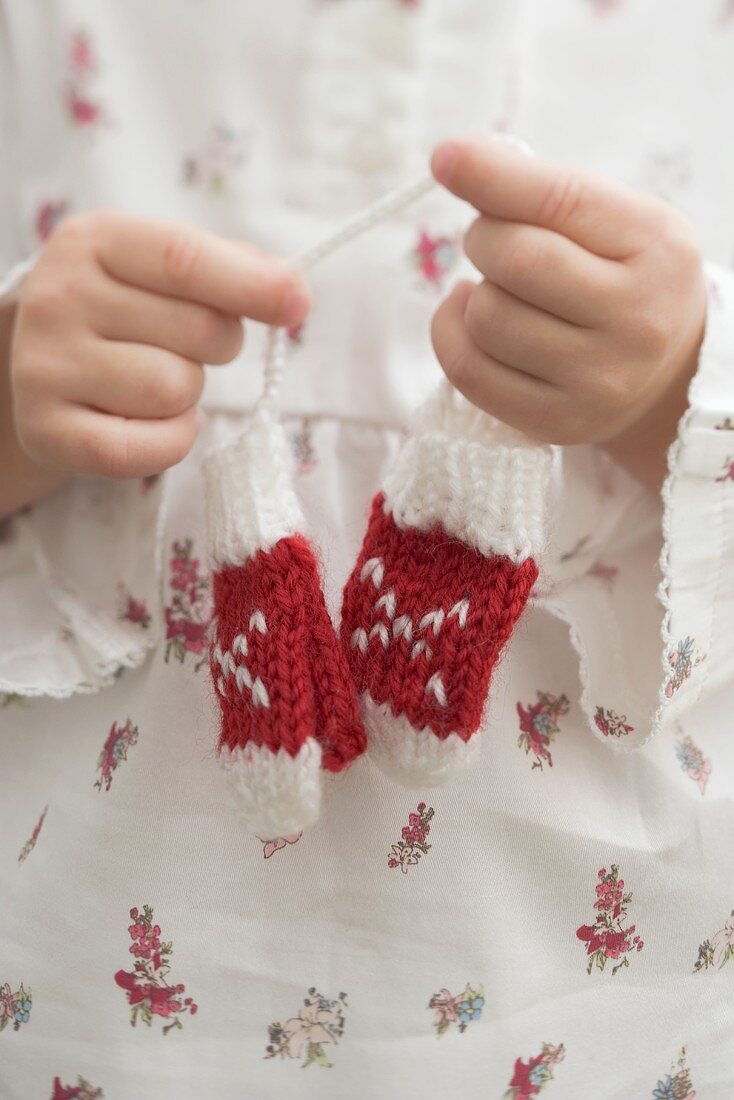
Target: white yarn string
point(389, 204)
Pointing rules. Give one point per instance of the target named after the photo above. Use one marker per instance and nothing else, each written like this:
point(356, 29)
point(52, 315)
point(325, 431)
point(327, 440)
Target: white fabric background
point(339, 100)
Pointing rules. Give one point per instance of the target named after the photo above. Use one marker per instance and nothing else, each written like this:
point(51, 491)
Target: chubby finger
point(182, 261)
point(74, 439)
point(135, 380)
point(518, 399)
point(546, 269)
point(599, 214)
point(524, 337)
point(196, 332)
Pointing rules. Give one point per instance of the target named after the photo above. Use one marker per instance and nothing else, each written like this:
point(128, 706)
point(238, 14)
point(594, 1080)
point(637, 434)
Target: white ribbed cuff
point(251, 503)
point(484, 483)
point(413, 758)
point(276, 794)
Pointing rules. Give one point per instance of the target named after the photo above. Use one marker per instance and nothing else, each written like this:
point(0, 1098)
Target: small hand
point(115, 323)
point(591, 313)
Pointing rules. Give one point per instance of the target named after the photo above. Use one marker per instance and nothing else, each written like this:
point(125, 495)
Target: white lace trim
point(690, 482)
point(100, 647)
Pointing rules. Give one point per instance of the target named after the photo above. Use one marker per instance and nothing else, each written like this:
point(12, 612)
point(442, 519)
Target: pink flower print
point(81, 55)
point(413, 843)
point(676, 1085)
point(82, 1090)
point(224, 151)
point(682, 660)
point(48, 215)
point(15, 1007)
point(270, 847)
point(539, 725)
point(692, 761)
point(605, 573)
point(460, 1008)
point(605, 7)
point(434, 257)
point(84, 110)
point(114, 751)
point(295, 333)
point(147, 483)
point(187, 614)
point(607, 938)
point(320, 1021)
point(531, 1077)
point(718, 950)
point(146, 986)
point(31, 842)
point(611, 724)
point(443, 1004)
point(727, 424)
point(132, 610)
point(728, 470)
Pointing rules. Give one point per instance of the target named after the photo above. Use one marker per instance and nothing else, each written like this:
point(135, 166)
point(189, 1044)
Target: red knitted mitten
point(446, 569)
point(287, 701)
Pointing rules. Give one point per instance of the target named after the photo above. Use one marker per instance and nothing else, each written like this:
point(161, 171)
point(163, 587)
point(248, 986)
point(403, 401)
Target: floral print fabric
point(457, 1010)
point(147, 988)
point(461, 920)
point(318, 1025)
point(413, 843)
point(15, 1006)
point(82, 1090)
point(539, 726)
point(532, 1076)
point(608, 938)
point(187, 611)
point(114, 751)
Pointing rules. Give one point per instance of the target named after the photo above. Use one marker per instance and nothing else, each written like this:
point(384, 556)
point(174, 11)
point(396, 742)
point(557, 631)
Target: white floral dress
point(560, 920)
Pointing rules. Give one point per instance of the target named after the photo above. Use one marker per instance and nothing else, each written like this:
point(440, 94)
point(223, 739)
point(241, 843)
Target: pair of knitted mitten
point(287, 701)
point(446, 568)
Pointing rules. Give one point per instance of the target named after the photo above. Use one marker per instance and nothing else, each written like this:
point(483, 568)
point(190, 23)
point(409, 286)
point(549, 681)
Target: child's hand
point(593, 305)
point(116, 320)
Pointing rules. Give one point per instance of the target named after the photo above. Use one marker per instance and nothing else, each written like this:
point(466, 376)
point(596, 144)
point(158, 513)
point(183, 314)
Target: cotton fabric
point(272, 125)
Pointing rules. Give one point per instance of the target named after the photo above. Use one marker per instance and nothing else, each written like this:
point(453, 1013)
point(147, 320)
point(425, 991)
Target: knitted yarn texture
point(448, 563)
point(446, 569)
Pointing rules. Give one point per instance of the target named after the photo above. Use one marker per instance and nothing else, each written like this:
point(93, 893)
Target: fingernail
point(296, 305)
point(514, 142)
point(443, 160)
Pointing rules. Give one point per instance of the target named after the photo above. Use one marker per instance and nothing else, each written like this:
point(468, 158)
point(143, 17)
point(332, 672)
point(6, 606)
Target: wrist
point(642, 447)
point(22, 481)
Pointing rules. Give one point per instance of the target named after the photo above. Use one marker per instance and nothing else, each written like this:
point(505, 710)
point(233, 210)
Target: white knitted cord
point(360, 223)
point(355, 226)
point(251, 502)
